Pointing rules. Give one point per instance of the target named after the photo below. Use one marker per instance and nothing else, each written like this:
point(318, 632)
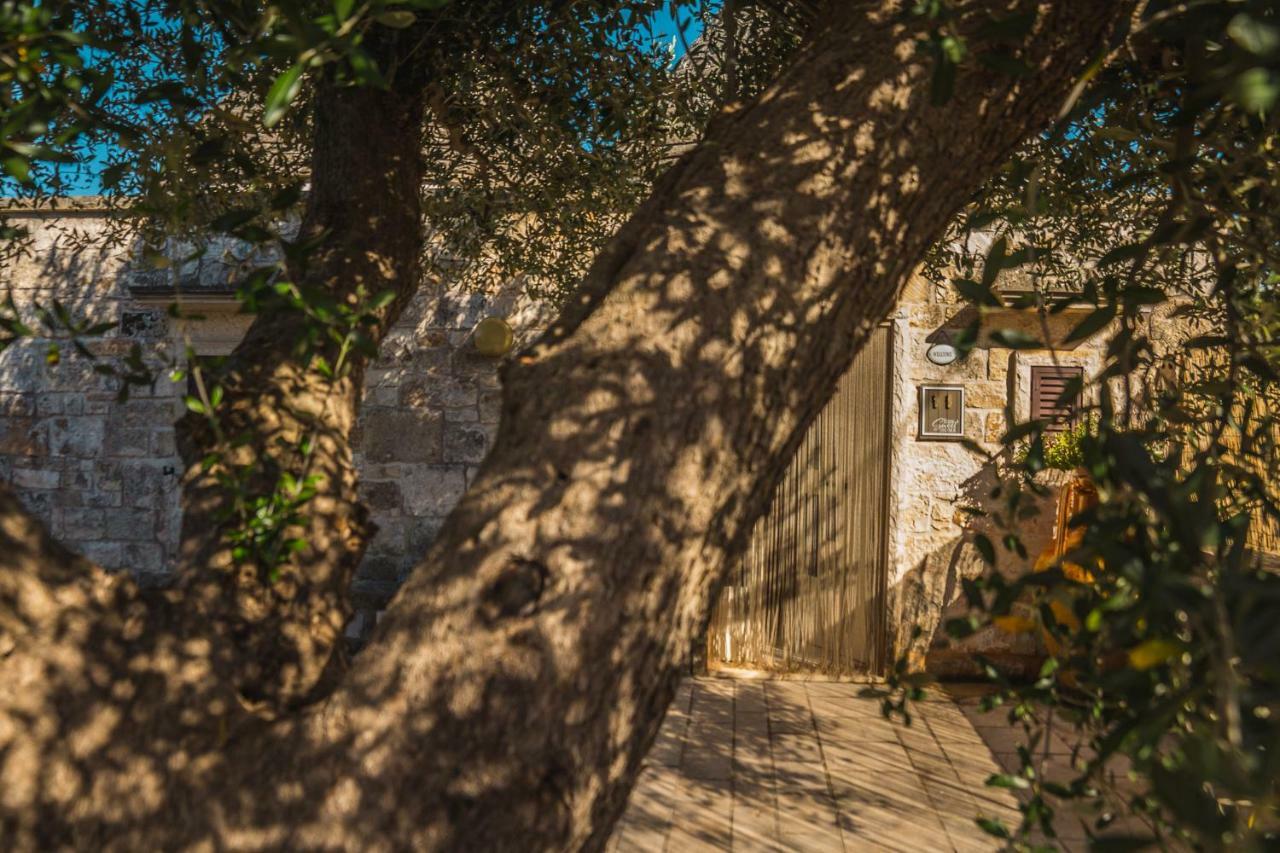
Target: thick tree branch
point(284, 417)
point(520, 676)
point(522, 672)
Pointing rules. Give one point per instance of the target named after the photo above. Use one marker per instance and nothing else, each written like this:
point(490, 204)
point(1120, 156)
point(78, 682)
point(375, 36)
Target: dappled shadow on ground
point(750, 764)
point(770, 765)
point(1060, 754)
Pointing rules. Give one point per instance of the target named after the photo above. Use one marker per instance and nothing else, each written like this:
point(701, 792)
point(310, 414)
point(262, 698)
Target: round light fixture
point(493, 337)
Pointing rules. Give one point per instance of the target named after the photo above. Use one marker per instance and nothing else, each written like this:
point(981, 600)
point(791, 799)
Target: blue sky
point(664, 24)
point(84, 178)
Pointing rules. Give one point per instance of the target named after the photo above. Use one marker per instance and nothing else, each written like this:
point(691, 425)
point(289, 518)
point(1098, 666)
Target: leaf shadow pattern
point(639, 442)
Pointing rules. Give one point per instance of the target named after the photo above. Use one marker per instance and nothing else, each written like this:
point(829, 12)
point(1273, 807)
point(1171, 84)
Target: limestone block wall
point(933, 482)
point(100, 474)
point(430, 415)
point(104, 475)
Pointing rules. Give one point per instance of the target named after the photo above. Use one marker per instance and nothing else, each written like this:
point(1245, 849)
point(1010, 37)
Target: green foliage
point(548, 122)
point(1151, 206)
point(270, 496)
point(1060, 451)
point(1152, 200)
point(1065, 451)
point(49, 95)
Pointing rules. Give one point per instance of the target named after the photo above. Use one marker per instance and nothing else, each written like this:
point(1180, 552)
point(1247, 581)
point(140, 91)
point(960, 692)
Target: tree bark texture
point(518, 679)
point(284, 614)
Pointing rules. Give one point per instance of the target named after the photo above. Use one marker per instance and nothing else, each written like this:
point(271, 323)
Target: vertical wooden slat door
point(809, 594)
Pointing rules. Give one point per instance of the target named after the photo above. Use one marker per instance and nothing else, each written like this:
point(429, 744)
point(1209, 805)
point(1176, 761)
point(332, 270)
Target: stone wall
point(933, 482)
point(430, 415)
point(101, 475)
point(104, 475)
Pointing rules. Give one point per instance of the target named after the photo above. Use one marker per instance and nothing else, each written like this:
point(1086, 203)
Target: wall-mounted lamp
point(493, 337)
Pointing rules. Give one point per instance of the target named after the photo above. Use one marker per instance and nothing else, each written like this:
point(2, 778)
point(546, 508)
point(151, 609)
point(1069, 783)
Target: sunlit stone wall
point(934, 482)
point(104, 475)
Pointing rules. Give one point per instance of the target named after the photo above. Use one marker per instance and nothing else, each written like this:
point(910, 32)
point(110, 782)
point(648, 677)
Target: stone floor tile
point(932, 767)
point(842, 695)
point(629, 839)
point(979, 843)
point(806, 765)
point(958, 732)
point(707, 764)
point(917, 734)
point(848, 761)
point(808, 820)
point(907, 833)
point(716, 686)
point(813, 842)
point(786, 712)
point(703, 812)
point(997, 717)
point(647, 820)
point(839, 689)
point(669, 744)
point(754, 793)
point(962, 751)
point(785, 688)
point(755, 829)
point(749, 698)
point(712, 703)
point(856, 729)
point(755, 780)
point(797, 746)
point(752, 749)
point(799, 776)
point(709, 731)
point(1003, 740)
point(897, 798)
point(751, 736)
point(789, 712)
point(692, 839)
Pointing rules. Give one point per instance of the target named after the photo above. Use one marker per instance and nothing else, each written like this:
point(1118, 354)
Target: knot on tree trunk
point(515, 592)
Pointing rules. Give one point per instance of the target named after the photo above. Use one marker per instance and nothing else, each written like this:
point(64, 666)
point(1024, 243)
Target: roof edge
point(59, 205)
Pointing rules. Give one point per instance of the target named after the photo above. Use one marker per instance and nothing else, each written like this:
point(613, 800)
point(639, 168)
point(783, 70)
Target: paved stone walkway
point(749, 765)
point(756, 764)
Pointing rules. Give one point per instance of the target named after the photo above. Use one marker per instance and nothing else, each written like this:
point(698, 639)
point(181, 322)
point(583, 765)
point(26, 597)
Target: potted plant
point(1065, 452)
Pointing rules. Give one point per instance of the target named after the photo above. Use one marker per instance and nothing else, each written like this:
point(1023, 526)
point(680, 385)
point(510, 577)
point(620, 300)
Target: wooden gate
point(809, 595)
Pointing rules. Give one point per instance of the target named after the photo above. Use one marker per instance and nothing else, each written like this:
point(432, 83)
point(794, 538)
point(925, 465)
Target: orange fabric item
point(1077, 495)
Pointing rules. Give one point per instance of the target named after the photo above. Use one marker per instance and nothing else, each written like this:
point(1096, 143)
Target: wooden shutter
point(1047, 386)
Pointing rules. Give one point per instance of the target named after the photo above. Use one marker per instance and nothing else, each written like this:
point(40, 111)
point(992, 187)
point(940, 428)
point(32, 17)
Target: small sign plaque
point(942, 353)
point(941, 412)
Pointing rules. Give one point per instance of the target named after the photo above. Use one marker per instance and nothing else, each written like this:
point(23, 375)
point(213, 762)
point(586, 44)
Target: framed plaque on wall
point(941, 412)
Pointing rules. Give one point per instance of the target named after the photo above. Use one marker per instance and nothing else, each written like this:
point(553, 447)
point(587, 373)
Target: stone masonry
point(104, 475)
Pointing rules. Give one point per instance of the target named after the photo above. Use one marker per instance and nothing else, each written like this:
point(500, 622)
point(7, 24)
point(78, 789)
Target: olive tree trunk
point(292, 391)
point(518, 679)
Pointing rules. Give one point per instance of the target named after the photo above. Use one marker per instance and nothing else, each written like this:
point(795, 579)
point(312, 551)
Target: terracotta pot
point(1077, 495)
